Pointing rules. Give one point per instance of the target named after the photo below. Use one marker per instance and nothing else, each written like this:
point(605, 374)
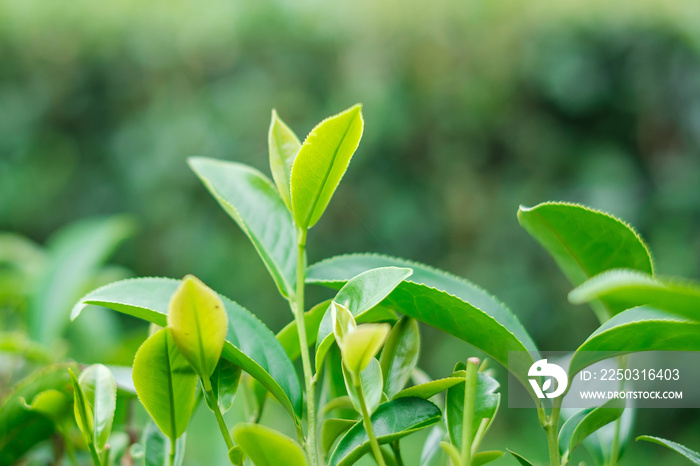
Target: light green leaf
point(74, 256)
point(361, 345)
point(100, 391)
point(52, 403)
point(591, 422)
point(20, 428)
point(267, 447)
point(289, 337)
point(444, 301)
point(371, 381)
point(691, 455)
point(333, 428)
point(283, 146)
point(249, 343)
point(155, 448)
point(452, 453)
point(486, 457)
point(585, 242)
point(486, 402)
point(600, 444)
point(165, 383)
point(81, 408)
point(391, 421)
point(198, 323)
point(224, 383)
point(360, 295)
point(256, 206)
point(400, 355)
point(625, 288)
point(567, 429)
point(638, 329)
point(520, 458)
point(430, 389)
point(321, 162)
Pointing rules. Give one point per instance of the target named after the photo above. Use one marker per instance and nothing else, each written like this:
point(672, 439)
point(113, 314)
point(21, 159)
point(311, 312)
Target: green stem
point(396, 448)
point(468, 410)
point(212, 401)
point(551, 428)
point(367, 421)
point(298, 310)
point(171, 457)
point(93, 453)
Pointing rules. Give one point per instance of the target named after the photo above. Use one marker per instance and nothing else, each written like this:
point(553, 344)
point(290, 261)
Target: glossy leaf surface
point(592, 421)
point(444, 301)
point(429, 389)
point(267, 447)
point(321, 162)
point(283, 147)
point(625, 289)
point(165, 383)
point(391, 421)
point(254, 203)
point(371, 382)
point(224, 383)
point(249, 343)
point(400, 355)
point(100, 390)
point(692, 456)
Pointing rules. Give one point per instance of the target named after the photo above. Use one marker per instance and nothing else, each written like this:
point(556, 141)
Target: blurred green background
point(471, 109)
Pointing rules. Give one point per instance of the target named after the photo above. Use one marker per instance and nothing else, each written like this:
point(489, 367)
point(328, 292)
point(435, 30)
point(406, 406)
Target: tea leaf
point(371, 381)
point(20, 428)
point(361, 345)
point(321, 162)
point(74, 254)
point(485, 457)
point(589, 422)
point(267, 447)
point(430, 389)
point(585, 242)
point(155, 448)
point(333, 428)
point(600, 444)
point(486, 404)
point(256, 206)
point(391, 421)
point(249, 343)
point(100, 391)
point(625, 288)
point(520, 458)
point(198, 324)
point(224, 383)
point(359, 295)
point(452, 453)
point(165, 383)
point(82, 411)
point(691, 455)
point(283, 146)
point(400, 355)
point(289, 337)
point(638, 329)
point(444, 301)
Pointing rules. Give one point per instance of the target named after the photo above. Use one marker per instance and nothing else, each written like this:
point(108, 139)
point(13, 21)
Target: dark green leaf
point(224, 382)
point(391, 421)
point(267, 447)
point(256, 206)
point(585, 242)
point(333, 428)
point(625, 288)
point(486, 403)
point(637, 329)
point(249, 343)
point(400, 355)
point(321, 162)
point(691, 455)
point(289, 337)
point(155, 448)
point(444, 301)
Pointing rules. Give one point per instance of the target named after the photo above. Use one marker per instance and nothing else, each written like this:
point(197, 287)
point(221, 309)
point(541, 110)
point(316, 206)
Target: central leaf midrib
point(328, 172)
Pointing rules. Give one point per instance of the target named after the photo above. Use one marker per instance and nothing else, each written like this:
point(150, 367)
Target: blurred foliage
point(472, 108)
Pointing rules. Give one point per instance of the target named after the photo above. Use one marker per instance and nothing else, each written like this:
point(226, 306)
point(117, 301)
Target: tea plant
point(362, 391)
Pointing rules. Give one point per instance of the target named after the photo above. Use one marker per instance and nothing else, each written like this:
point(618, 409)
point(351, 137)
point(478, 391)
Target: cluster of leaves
point(365, 340)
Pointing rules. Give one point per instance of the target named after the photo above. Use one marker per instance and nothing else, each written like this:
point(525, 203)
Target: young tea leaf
point(53, 404)
point(400, 355)
point(283, 146)
point(83, 413)
point(100, 391)
point(198, 324)
point(361, 345)
point(333, 428)
point(691, 455)
point(321, 162)
point(155, 448)
point(486, 457)
point(289, 337)
point(429, 389)
point(391, 421)
point(520, 458)
point(254, 203)
point(224, 383)
point(165, 383)
point(625, 289)
point(249, 343)
point(371, 382)
point(267, 447)
point(486, 404)
point(594, 420)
